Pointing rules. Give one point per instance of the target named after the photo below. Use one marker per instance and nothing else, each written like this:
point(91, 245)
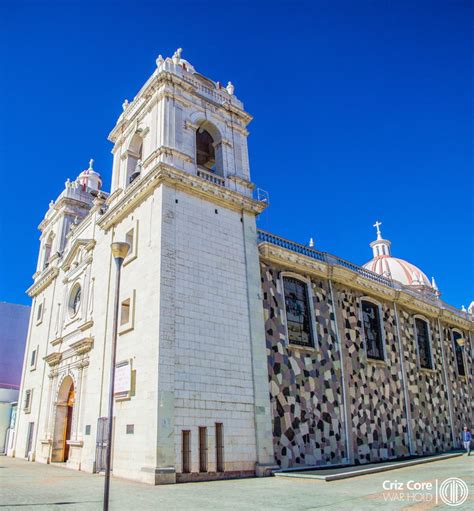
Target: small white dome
point(89, 178)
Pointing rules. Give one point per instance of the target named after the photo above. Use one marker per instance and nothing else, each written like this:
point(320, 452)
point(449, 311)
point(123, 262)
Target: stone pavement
point(32, 486)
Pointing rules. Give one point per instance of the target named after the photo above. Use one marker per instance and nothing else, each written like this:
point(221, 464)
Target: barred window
point(372, 330)
point(459, 352)
point(423, 343)
point(298, 314)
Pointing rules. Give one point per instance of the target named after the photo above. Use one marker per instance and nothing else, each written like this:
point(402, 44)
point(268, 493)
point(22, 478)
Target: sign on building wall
point(123, 379)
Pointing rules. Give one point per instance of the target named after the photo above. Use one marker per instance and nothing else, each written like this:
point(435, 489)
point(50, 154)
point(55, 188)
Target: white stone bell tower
point(181, 172)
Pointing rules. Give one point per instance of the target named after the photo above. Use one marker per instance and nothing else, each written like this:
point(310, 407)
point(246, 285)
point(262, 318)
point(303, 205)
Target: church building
point(238, 352)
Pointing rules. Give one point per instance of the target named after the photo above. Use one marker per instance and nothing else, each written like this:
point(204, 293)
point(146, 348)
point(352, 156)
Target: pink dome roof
point(398, 269)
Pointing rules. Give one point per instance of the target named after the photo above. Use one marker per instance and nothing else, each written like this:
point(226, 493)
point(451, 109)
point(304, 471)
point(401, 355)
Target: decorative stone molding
point(87, 244)
point(83, 346)
point(167, 151)
point(86, 325)
point(56, 341)
point(53, 359)
point(44, 281)
point(167, 174)
point(241, 181)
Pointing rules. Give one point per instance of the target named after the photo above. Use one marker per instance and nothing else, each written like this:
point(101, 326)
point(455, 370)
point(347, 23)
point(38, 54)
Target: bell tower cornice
point(166, 174)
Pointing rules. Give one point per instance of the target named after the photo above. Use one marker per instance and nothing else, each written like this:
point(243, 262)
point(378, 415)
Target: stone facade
point(208, 384)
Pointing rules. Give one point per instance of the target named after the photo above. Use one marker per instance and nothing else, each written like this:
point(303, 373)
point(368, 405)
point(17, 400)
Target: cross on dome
point(379, 232)
point(91, 164)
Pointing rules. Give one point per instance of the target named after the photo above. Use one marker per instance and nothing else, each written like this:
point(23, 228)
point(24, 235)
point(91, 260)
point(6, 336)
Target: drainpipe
point(404, 384)
point(448, 387)
point(349, 456)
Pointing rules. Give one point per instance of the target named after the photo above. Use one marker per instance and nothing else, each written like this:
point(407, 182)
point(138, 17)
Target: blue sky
point(362, 111)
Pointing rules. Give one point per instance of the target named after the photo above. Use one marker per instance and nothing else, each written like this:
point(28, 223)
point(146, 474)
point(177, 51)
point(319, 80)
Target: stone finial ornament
point(311, 243)
point(177, 55)
point(433, 284)
point(125, 105)
point(230, 88)
point(159, 61)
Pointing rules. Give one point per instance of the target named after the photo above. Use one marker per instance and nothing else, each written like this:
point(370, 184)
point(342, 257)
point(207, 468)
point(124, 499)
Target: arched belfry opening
point(48, 247)
point(63, 421)
point(209, 149)
point(205, 152)
point(134, 158)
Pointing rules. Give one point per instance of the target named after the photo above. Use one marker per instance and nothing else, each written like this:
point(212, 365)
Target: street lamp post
point(119, 252)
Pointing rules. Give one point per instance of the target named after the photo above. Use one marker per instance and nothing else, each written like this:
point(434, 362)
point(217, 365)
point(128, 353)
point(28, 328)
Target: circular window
point(75, 300)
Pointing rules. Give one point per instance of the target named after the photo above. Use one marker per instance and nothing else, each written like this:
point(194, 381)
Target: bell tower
point(186, 120)
point(181, 170)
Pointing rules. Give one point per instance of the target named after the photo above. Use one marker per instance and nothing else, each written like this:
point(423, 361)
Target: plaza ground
point(25, 486)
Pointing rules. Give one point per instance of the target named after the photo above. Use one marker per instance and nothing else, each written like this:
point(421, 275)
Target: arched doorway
point(63, 421)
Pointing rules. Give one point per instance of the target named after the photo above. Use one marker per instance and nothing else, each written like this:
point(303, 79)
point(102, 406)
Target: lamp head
point(119, 251)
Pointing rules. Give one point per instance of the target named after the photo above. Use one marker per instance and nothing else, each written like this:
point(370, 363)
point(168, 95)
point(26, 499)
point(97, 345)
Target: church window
point(298, 314)
point(27, 403)
point(202, 449)
point(125, 312)
point(423, 343)
point(186, 452)
point(75, 300)
point(39, 313)
point(129, 240)
point(458, 347)
point(132, 239)
point(34, 356)
point(372, 326)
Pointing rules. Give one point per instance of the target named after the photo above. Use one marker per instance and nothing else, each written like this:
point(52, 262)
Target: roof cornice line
point(350, 278)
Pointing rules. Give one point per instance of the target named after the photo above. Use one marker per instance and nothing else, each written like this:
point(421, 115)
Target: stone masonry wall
point(305, 384)
point(378, 420)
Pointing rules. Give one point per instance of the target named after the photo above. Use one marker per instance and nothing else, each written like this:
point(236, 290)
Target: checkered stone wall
point(428, 397)
point(460, 387)
point(305, 383)
point(376, 400)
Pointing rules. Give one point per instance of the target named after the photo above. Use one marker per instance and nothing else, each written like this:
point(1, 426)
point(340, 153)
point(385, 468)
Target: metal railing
point(266, 237)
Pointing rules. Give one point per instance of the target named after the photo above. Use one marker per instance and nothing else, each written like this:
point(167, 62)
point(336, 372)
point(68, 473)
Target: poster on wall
point(123, 379)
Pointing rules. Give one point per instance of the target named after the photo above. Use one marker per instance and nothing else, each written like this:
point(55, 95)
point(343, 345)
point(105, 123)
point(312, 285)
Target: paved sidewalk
point(32, 486)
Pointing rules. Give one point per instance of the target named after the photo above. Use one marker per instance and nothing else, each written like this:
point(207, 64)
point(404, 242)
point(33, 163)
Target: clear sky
point(362, 111)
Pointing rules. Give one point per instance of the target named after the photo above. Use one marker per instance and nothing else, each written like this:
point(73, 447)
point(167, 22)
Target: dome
point(89, 178)
point(397, 269)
